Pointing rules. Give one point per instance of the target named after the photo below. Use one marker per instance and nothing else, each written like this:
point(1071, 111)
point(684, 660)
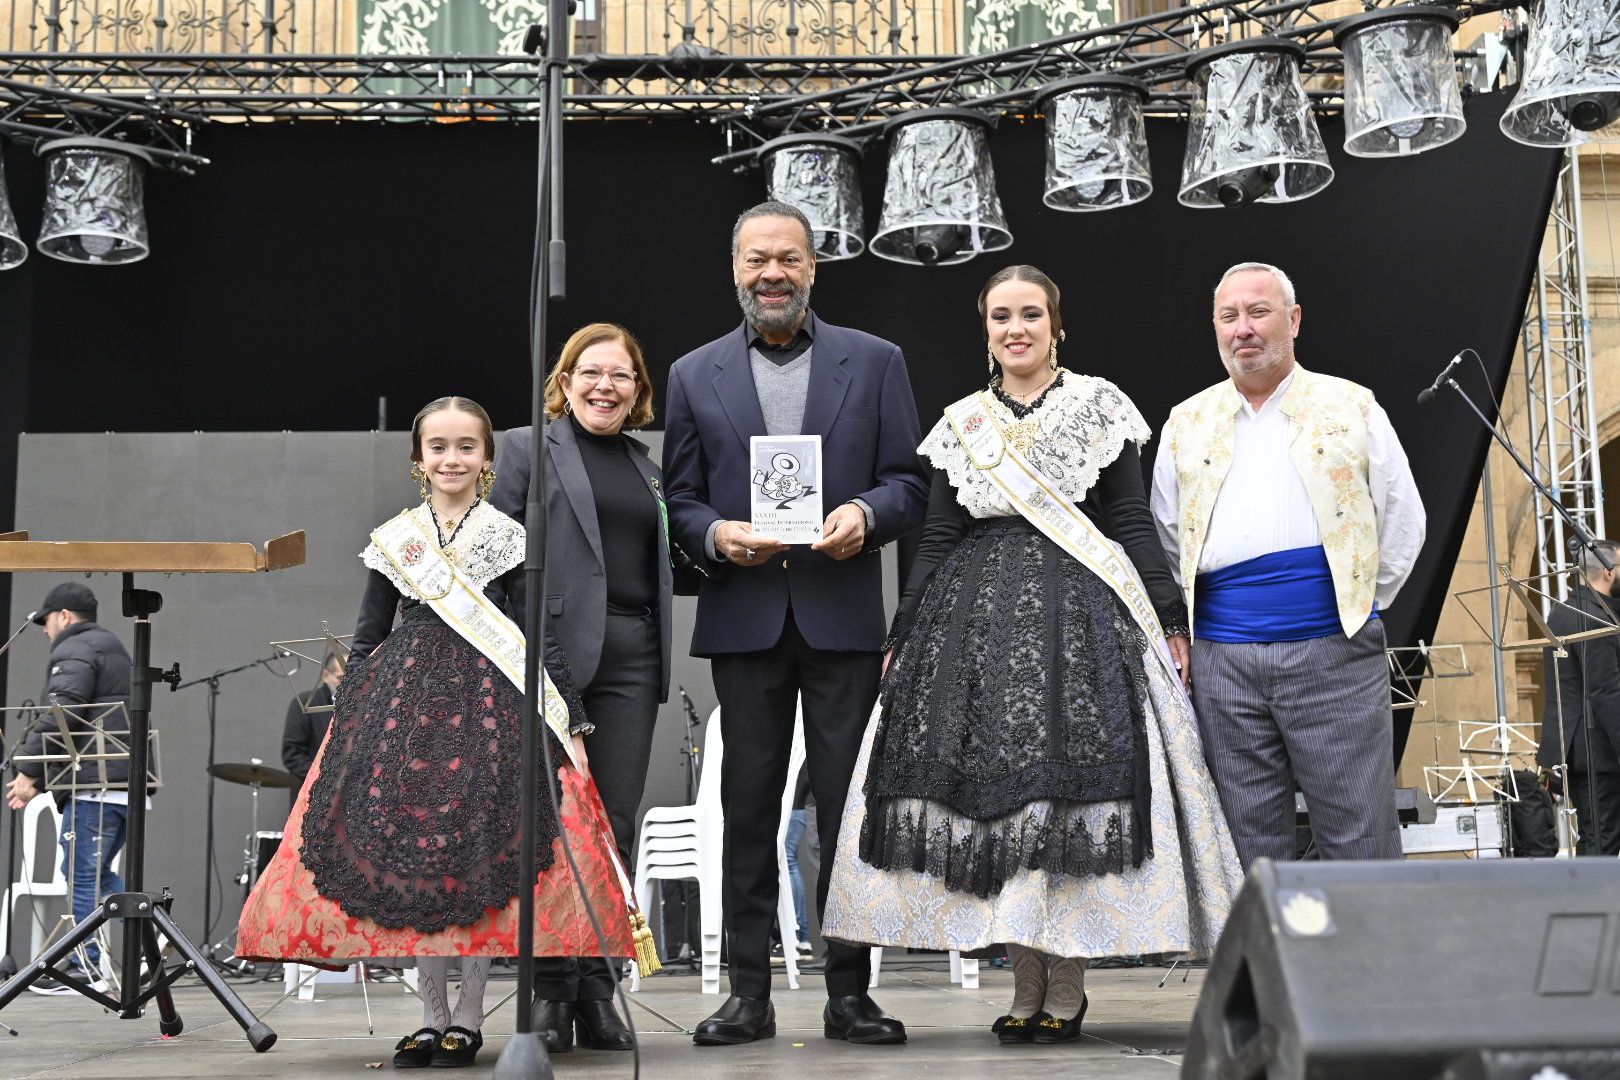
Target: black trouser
point(1597, 808)
point(622, 701)
point(758, 694)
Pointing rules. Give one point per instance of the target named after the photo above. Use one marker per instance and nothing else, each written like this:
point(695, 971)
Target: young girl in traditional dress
point(404, 840)
point(1033, 774)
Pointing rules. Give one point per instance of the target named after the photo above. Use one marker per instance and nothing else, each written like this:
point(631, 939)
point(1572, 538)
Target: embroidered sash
point(465, 609)
point(1038, 499)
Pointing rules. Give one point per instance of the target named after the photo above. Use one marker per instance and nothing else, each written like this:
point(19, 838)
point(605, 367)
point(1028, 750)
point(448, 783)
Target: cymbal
point(241, 772)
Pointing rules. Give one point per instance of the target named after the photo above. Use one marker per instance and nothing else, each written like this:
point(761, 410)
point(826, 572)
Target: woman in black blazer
point(608, 593)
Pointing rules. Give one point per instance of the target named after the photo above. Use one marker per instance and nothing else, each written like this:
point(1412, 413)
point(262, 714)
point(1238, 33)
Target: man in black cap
point(89, 665)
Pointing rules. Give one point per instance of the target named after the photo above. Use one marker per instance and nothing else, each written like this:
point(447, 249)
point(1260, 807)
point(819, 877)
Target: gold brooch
point(1022, 434)
point(451, 1042)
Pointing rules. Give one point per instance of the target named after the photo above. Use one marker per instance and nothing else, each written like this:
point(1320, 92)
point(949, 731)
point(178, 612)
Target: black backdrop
point(313, 268)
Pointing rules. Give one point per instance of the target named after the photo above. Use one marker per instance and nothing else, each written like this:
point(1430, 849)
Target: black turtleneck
point(626, 516)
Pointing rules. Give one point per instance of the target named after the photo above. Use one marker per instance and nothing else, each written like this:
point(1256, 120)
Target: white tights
point(1055, 985)
point(435, 978)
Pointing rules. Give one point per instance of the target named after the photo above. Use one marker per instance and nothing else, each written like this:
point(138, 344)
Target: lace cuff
point(1174, 620)
point(562, 677)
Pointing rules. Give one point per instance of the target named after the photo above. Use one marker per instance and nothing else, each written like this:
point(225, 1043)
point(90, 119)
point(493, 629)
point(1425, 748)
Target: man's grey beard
point(771, 320)
point(1272, 356)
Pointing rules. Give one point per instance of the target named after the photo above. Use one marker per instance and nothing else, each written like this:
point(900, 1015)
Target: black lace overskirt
point(413, 818)
point(1012, 734)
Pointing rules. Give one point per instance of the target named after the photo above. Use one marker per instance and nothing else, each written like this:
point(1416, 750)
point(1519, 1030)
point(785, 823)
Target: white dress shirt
point(1263, 506)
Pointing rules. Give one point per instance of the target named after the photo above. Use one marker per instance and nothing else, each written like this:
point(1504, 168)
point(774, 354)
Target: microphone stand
point(210, 861)
point(1579, 540)
point(524, 1056)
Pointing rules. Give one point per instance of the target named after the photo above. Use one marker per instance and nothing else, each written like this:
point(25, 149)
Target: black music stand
point(142, 913)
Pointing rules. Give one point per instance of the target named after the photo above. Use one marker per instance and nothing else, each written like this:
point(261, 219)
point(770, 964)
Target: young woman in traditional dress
point(404, 840)
point(1033, 774)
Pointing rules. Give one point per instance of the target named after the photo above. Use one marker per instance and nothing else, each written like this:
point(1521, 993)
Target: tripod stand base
point(523, 1058)
point(143, 916)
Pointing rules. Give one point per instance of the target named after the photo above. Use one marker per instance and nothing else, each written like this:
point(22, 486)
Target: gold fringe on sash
point(646, 951)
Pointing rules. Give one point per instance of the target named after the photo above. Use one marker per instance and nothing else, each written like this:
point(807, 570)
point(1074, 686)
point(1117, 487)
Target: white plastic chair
point(25, 887)
point(679, 842)
point(685, 842)
point(963, 971)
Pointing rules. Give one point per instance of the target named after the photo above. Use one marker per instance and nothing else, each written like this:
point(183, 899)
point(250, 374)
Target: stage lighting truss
point(820, 175)
point(939, 200)
point(155, 98)
point(1401, 91)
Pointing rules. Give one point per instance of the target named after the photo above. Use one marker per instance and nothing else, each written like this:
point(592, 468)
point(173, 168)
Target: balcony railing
point(479, 27)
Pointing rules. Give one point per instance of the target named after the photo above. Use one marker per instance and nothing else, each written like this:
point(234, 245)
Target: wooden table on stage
point(18, 554)
point(145, 914)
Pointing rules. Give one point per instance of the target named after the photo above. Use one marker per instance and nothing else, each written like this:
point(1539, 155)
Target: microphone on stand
point(1427, 396)
point(32, 615)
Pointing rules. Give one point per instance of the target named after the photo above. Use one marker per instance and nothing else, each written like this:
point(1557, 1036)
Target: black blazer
point(1595, 665)
point(576, 579)
point(860, 403)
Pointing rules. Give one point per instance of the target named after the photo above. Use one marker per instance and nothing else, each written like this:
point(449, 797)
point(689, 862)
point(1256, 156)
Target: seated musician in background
point(303, 731)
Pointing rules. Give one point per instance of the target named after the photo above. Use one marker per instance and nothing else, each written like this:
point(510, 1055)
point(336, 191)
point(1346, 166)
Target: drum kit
point(260, 845)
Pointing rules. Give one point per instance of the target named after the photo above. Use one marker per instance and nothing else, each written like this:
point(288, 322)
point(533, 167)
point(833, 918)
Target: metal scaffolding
point(158, 98)
point(1561, 406)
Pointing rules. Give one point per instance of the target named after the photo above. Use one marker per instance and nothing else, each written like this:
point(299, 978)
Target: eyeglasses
point(619, 376)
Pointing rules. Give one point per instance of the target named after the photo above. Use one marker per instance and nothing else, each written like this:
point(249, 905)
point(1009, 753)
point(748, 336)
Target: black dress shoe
point(1011, 1030)
point(457, 1048)
point(739, 1020)
point(416, 1051)
point(858, 1019)
point(553, 1021)
point(1051, 1029)
point(599, 1026)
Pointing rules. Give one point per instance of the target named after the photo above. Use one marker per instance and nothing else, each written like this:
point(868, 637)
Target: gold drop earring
point(990, 362)
point(1051, 355)
point(486, 480)
point(420, 477)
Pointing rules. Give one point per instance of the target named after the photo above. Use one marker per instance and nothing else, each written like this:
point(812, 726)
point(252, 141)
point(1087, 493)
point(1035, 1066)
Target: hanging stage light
point(820, 175)
point(1400, 83)
point(94, 202)
point(1569, 92)
point(1096, 143)
point(1252, 136)
point(12, 250)
point(939, 199)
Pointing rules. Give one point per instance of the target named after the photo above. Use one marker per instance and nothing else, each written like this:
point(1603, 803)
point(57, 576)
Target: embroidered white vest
point(1327, 425)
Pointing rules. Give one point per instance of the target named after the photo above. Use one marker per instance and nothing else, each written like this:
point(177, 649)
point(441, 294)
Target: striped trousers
point(1316, 712)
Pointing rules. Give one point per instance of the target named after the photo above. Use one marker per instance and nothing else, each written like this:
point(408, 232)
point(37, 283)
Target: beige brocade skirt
point(1175, 902)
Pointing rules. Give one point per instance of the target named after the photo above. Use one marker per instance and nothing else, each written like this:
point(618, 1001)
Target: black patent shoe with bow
point(416, 1051)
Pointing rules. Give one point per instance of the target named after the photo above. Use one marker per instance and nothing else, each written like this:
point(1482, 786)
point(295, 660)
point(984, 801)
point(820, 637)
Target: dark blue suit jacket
point(860, 403)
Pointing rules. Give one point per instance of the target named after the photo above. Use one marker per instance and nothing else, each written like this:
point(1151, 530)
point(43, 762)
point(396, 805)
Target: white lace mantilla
point(488, 545)
point(1076, 432)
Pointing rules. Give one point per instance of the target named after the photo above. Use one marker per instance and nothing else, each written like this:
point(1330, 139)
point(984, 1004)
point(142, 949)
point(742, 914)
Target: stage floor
point(1132, 1029)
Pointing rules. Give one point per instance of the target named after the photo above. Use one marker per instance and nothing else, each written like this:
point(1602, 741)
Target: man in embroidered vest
point(783, 625)
point(1289, 513)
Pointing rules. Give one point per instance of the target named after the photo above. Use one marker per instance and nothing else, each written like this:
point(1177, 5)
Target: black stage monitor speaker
point(1390, 970)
